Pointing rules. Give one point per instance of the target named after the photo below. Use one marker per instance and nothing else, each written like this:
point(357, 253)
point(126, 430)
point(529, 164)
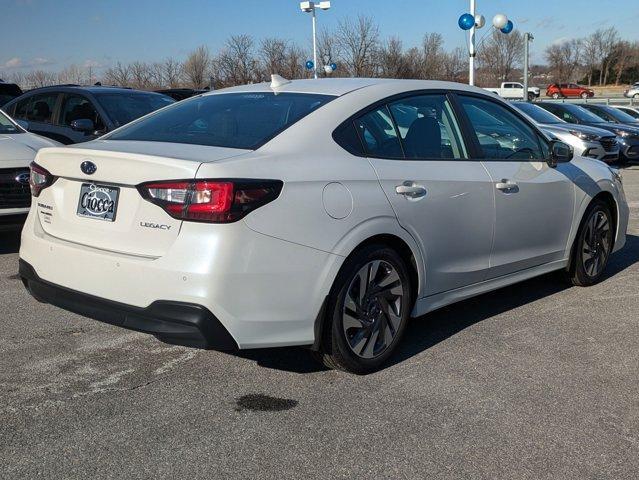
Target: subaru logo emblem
point(23, 178)
point(88, 167)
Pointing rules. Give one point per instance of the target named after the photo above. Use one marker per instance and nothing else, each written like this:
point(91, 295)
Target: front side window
point(232, 120)
point(378, 133)
point(501, 134)
point(76, 107)
point(427, 128)
point(41, 107)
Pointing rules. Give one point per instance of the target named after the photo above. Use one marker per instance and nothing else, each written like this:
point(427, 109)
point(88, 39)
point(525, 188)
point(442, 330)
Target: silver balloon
point(499, 21)
point(480, 21)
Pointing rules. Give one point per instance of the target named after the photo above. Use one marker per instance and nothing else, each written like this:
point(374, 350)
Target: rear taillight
point(39, 179)
point(213, 201)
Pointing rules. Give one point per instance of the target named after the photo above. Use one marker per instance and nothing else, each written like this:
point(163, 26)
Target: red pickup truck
point(564, 90)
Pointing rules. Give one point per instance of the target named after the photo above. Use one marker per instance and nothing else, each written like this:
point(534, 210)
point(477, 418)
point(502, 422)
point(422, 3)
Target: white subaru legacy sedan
point(323, 213)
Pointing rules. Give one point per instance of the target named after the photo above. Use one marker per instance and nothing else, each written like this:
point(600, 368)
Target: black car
point(627, 135)
point(74, 114)
point(181, 93)
point(8, 91)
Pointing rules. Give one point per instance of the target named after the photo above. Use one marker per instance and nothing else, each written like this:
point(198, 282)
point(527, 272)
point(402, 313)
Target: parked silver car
point(633, 91)
point(587, 141)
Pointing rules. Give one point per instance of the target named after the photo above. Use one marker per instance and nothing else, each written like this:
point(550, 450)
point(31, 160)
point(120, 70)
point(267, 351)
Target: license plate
point(98, 201)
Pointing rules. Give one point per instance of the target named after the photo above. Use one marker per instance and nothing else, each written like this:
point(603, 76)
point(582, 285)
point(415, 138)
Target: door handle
point(507, 186)
point(410, 190)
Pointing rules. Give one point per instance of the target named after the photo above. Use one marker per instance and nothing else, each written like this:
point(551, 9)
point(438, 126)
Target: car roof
point(342, 86)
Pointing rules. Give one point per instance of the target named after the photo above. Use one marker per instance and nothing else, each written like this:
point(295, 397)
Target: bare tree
point(72, 74)
point(328, 49)
point(196, 66)
point(140, 75)
point(563, 59)
point(118, 75)
point(626, 54)
point(40, 78)
point(358, 42)
point(172, 72)
point(434, 56)
point(501, 54)
point(455, 65)
point(236, 64)
point(273, 53)
point(391, 59)
point(590, 54)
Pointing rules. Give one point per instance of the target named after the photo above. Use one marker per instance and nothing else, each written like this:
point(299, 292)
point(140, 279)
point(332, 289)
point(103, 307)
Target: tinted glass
point(427, 127)
point(7, 126)
point(379, 135)
point(501, 134)
point(619, 115)
point(634, 114)
point(124, 107)
point(538, 114)
point(41, 108)
point(572, 113)
point(76, 107)
point(235, 120)
point(346, 136)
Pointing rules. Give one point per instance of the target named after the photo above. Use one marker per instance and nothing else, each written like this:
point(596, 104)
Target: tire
point(355, 320)
point(593, 245)
point(531, 97)
point(584, 96)
point(636, 95)
point(556, 96)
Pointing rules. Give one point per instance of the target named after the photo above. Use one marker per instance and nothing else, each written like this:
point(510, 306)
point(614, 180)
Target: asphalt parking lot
point(535, 381)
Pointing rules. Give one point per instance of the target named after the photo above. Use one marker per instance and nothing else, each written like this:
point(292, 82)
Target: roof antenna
point(278, 81)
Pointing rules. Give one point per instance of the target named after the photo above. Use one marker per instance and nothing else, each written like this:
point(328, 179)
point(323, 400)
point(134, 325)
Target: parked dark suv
point(74, 114)
point(8, 91)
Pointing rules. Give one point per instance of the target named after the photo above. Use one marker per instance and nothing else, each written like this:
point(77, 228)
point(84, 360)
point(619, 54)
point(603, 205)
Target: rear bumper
point(172, 322)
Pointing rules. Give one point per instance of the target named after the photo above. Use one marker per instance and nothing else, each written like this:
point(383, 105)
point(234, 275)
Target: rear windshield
point(123, 108)
point(233, 120)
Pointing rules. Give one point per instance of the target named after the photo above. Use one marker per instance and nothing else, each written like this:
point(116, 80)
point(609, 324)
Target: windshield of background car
point(123, 107)
point(581, 114)
point(620, 115)
point(7, 126)
point(538, 114)
point(232, 120)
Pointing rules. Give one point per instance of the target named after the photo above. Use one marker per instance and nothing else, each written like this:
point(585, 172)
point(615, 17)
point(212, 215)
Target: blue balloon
point(333, 66)
point(466, 21)
point(508, 27)
point(309, 65)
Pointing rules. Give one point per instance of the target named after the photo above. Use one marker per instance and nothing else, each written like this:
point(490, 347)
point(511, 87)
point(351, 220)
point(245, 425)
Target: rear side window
point(233, 120)
point(21, 108)
point(41, 107)
point(379, 134)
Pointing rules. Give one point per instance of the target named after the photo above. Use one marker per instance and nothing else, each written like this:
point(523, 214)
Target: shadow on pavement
point(9, 242)
point(427, 331)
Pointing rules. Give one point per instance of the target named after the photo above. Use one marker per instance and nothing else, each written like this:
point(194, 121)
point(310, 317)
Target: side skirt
point(439, 300)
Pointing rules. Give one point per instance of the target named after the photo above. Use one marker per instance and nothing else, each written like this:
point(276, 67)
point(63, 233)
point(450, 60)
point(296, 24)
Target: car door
point(79, 107)
point(534, 202)
point(440, 196)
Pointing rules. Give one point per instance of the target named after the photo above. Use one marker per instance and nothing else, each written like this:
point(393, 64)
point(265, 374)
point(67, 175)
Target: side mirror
point(560, 152)
point(83, 125)
point(23, 123)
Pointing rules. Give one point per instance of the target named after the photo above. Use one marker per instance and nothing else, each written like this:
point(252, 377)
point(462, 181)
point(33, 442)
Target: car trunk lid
point(76, 207)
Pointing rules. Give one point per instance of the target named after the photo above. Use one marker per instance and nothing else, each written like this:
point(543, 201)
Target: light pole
point(309, 7)
point(528, 37)
point(472, 21)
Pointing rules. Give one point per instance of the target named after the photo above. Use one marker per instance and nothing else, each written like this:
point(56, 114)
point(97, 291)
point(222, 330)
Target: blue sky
point(51, 34)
